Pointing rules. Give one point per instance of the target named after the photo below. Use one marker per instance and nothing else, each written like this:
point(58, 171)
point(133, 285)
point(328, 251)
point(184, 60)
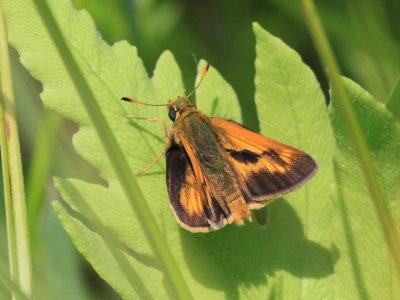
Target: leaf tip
point(259, 30)
point(256, 26)
point(166, 54)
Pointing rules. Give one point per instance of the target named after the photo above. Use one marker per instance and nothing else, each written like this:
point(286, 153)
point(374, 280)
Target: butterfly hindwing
point(267, 168)
point(195, 210)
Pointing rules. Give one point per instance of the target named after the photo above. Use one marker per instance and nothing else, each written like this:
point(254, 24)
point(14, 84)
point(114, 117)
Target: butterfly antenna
point(203, 74)
point(128, 99)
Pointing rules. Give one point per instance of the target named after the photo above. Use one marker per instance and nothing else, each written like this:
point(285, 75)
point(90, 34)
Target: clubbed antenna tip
point(203, 74)
point(134, 101)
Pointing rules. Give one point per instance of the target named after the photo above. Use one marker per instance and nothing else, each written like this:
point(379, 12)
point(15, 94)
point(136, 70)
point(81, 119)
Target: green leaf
point(291, 108)
point(294, 256)
point(230, 263)
point(119, 267)
point(365, 269)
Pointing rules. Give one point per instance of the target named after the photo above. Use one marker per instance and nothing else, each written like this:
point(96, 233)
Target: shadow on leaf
point(243, 256)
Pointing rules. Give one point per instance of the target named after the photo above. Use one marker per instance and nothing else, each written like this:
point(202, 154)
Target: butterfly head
point(177, 106)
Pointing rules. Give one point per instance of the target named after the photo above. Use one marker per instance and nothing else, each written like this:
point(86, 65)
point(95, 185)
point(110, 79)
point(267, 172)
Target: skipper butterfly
point(219, 170)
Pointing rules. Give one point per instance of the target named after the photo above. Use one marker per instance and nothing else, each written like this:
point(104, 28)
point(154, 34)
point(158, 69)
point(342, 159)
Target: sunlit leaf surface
point(303, 253)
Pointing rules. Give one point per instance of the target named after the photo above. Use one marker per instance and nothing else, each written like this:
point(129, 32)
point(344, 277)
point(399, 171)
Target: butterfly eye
point(172, 113)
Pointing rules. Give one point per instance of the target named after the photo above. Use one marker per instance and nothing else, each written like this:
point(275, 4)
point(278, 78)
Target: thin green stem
point(116, 157)
point(9, 285)
point(10, 228)
point(39, 168)
point(20, 259)
point(371, 177)
point(393, 101)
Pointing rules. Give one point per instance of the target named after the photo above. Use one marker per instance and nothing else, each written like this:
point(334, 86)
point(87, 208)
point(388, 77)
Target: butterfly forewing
point(267, 169)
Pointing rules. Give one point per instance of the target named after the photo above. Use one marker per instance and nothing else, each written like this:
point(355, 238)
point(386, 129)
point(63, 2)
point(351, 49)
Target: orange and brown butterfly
point(219, 170)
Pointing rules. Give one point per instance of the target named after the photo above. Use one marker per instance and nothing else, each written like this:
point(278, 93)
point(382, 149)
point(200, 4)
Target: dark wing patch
point(244, 156)
point(194, 209)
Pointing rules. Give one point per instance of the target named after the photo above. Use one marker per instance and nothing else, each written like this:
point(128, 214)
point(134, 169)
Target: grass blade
point(393, 102)
point(7, 285)
point(39, 168)
point(18, 238)
point(117, 159)
point(333, 72)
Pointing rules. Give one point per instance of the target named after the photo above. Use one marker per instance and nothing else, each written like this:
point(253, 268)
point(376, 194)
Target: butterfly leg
point(167, 142)
point(158, 157)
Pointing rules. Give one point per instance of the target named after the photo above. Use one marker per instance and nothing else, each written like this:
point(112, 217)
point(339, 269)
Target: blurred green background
point(365, 36)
